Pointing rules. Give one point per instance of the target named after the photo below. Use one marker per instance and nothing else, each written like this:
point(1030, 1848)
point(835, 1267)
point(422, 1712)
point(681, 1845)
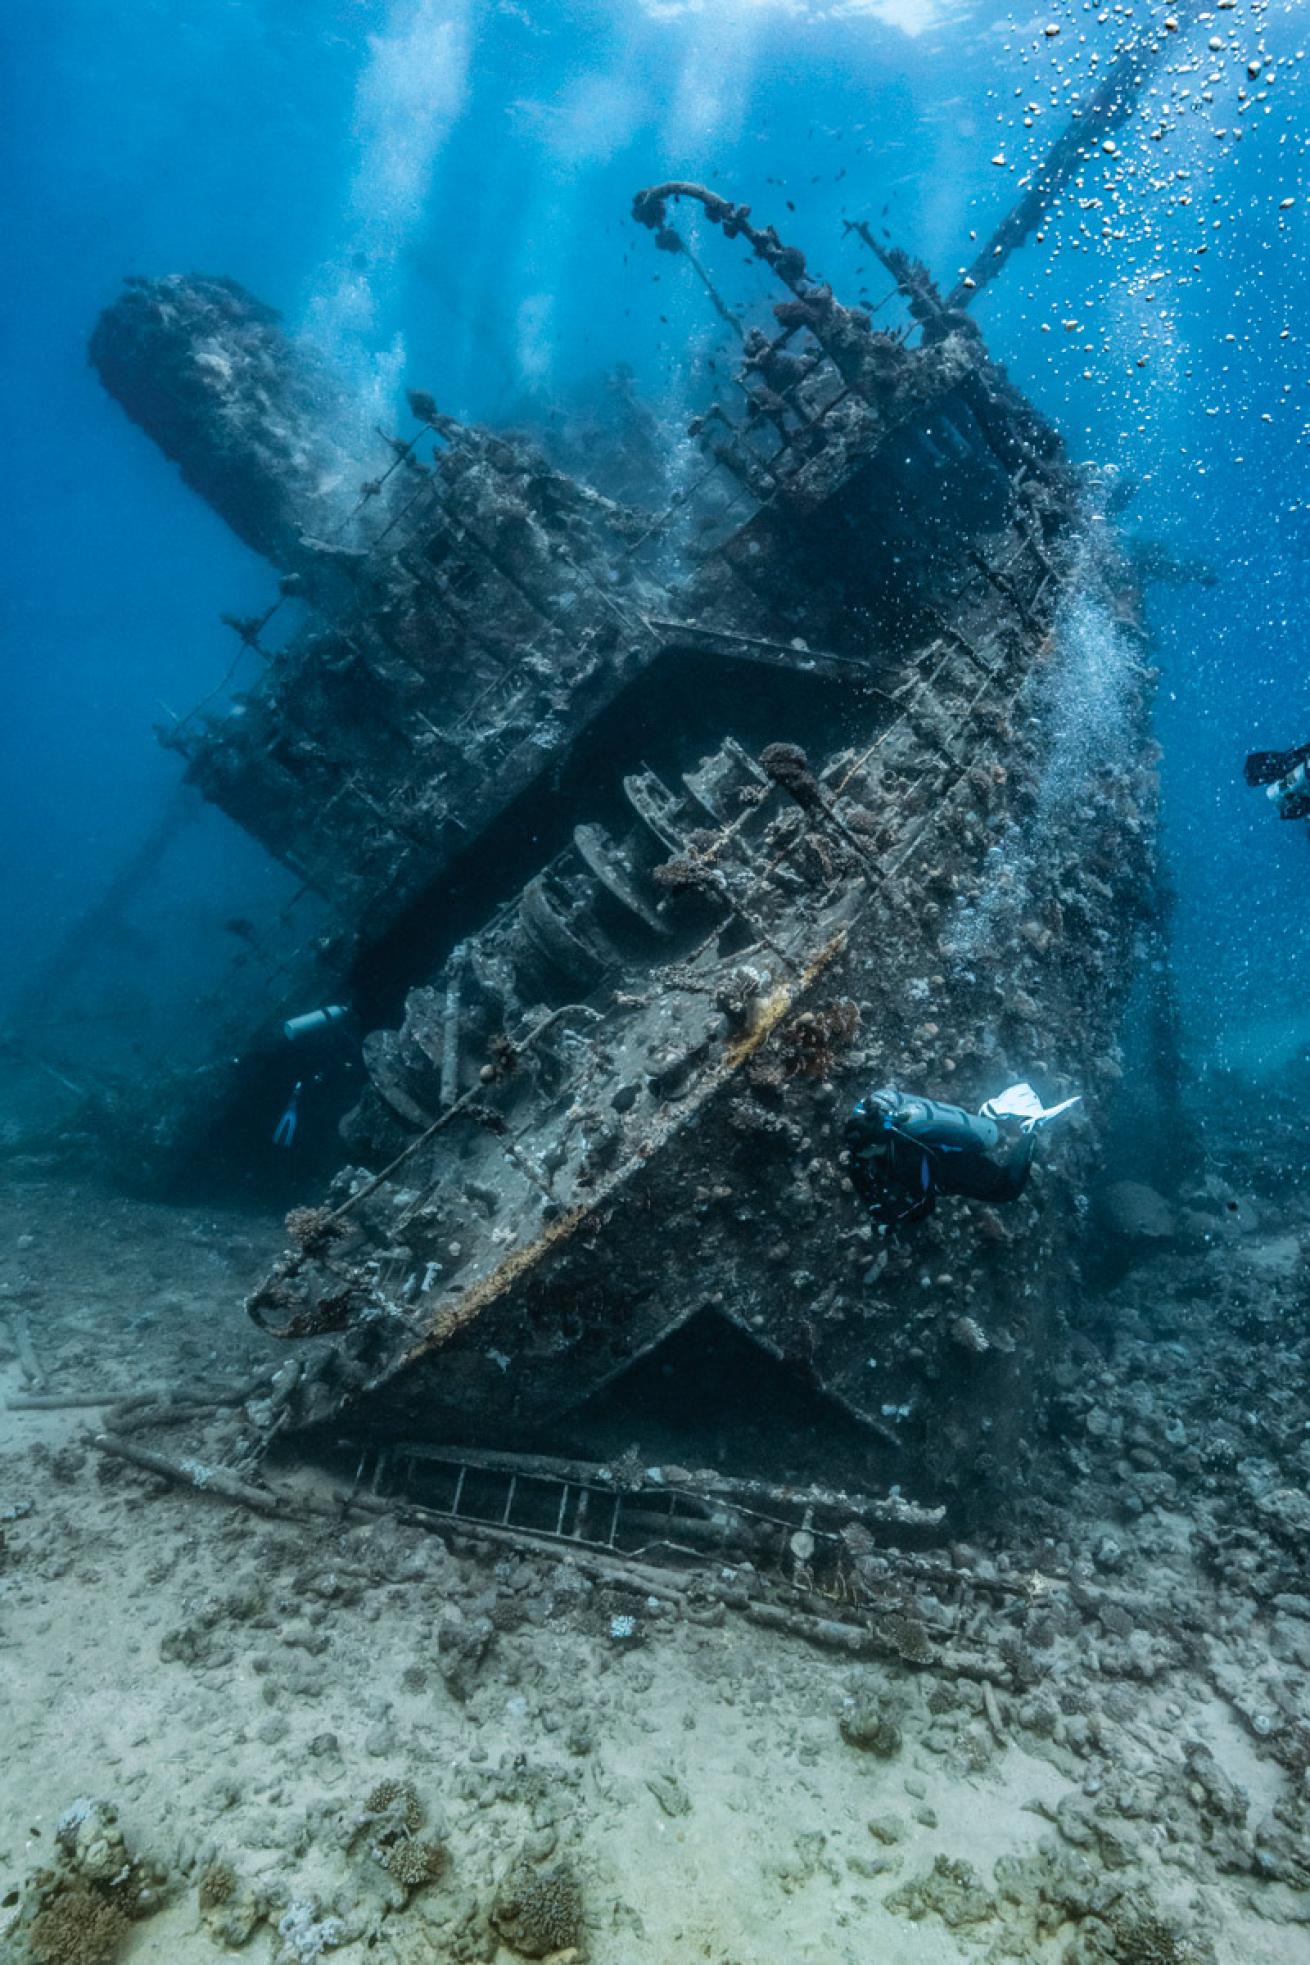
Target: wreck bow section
point(493, 640)
point(471, 609)
point(616, 1105)
point(484, 610)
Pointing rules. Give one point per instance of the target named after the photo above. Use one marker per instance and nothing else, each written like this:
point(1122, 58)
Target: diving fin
point(284, 1133)
point(1267, 767)
point(1021, 1102)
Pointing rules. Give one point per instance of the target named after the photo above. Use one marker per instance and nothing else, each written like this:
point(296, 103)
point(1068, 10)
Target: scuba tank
point(905, 1150)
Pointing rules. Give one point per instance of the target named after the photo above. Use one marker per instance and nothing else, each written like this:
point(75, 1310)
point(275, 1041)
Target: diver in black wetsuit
point(1285, 777)
point(906, 1150)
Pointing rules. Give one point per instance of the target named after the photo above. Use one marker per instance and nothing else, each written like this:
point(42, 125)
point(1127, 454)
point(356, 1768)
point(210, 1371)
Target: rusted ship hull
point(611, 1100)
point(504, 1272)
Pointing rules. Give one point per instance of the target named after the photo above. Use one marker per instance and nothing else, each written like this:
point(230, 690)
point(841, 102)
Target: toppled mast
point(259, 425)
point(1091, 129)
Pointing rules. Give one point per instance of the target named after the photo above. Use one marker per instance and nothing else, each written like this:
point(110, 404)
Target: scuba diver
point(329, 1041)
point(906, 1150)
point(1283, 773)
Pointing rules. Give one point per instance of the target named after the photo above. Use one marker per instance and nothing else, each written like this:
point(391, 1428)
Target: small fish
point(284, 1132)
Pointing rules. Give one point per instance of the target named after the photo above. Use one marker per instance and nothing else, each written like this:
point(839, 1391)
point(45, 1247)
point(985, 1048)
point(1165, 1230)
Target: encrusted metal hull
point(612, 1101)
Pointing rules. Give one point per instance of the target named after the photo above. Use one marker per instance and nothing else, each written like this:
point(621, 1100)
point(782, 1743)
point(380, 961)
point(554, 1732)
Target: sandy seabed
point(239, 1690)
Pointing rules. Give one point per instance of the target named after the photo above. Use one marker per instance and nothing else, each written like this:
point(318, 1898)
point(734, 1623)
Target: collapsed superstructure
point(665, 834)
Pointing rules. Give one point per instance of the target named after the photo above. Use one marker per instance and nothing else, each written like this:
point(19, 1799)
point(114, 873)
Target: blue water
point(439, 191)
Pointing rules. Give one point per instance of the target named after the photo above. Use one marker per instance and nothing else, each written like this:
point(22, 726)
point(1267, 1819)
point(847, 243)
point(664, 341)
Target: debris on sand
point(82, 1909)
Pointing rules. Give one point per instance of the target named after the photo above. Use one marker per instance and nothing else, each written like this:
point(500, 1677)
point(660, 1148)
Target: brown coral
point(218, 1882)
point(1142, 1938)
point(810, 1043)
point(907, 1637)
point(538, 1912)
point(313, 1229)
point(412, 1862)
point(77, 1927)
point(502, 1056)
point(789, 767)
point(399, 1801)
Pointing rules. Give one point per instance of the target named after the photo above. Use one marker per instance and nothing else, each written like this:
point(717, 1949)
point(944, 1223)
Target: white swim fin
point(1021, 1102)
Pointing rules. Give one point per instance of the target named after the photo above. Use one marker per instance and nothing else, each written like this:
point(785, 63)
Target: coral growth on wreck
point(811, 1041)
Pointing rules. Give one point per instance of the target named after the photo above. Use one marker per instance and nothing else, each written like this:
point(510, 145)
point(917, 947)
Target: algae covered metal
point(818, 810)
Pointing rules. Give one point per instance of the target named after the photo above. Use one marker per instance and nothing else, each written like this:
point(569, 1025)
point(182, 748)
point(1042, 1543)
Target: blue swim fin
point(284, 1133)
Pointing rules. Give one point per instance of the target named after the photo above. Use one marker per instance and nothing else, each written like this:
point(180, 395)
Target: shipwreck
point(644, 841)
